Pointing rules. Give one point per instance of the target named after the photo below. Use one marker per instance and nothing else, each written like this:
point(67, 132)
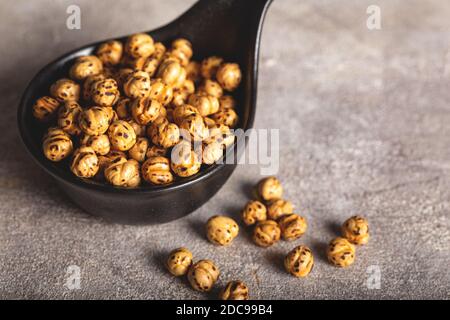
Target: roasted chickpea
point(227, 117)
point(266, 233)
point(110, 53)
point(160, 50)
point(44, 108)
point(156, 151)
point(270, 189)
point(179, 261)
point(292, 226)
point(89, 83)
point(196, 127)
point(202, 275)
point(227, 102)
point(140, 45)
point(95, 120)
point(182, 112)
point(161, 92)
point(137, 85)
point(152, 63)
point(177, 55)
point(193, 72)
point(212, 152)
point(145, 110)
point(254, 211)
point(220, 134)
point(163, 133)
point(68, 117)
point(139, 150)
point(121, 135)
point(278, 208)
point(171, 73)
point(122, 108)
point(65, 90)
point(156, 170)
point(221, 230)
point(123, 173)
point(185, 162)
point(57, 144)
point(356, 230)
point(211, 88)
point(105, 161)
point(105, 92)
point(205, 104)
point(341, 252)
point(210, 66)
point(235, 290)
point(299, 262)
point(229, 76)
point(184, 45)
point(84, 162)
point(100, 143)
point(86, 66)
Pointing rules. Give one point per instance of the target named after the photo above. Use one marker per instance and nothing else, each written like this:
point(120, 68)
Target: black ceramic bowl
point(228, 28)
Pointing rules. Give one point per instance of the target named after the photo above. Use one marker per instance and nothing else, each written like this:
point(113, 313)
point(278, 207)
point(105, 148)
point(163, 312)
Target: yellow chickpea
point(221, 230)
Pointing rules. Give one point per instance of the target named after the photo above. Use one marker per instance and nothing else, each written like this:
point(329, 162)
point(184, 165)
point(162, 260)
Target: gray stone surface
point(364, 119)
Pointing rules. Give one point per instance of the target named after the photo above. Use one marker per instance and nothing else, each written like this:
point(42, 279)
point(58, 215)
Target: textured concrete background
point(364, 119)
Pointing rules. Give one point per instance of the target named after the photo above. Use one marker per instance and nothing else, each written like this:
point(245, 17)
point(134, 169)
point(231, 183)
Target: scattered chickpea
point(221, 230)
point(266, 233)
point(179, 261)
point(292, 226)
point(278, 208)
point(254, 211)
point(203, 274)
point(235, 290)
point(299, 262)
point(356, 230)
point(270, 189)
point(341, 252)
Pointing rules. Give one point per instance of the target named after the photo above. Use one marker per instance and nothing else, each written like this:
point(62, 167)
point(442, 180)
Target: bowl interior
point(32, 130)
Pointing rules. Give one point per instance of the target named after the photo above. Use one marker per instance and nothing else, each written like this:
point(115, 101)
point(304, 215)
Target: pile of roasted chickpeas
point(121, 112)
point(272, 218)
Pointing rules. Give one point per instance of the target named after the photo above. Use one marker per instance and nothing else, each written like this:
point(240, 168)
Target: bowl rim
point(65, 176)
